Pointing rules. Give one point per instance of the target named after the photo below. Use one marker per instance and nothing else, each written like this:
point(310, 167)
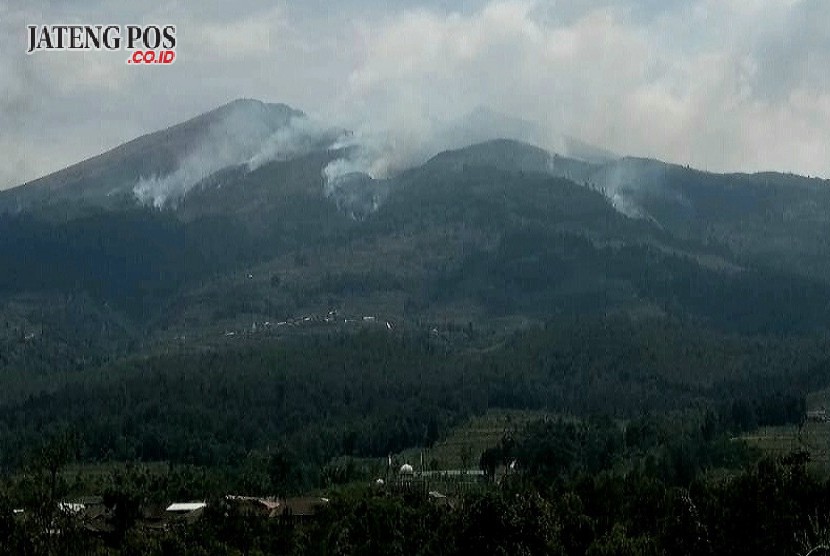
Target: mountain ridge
point(113, 178)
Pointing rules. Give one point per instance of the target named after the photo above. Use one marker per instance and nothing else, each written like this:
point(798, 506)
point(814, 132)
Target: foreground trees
point(653, 486)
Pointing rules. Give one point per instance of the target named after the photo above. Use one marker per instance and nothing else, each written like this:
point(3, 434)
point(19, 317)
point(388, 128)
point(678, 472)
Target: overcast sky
point(718, 84)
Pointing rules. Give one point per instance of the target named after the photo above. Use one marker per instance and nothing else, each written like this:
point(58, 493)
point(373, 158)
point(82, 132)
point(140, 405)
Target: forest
point(372, 393)
point(640, 450)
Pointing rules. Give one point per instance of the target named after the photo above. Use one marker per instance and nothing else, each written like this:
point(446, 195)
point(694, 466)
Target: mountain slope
point(775, 220)
point(108, 180)
point(497, 232)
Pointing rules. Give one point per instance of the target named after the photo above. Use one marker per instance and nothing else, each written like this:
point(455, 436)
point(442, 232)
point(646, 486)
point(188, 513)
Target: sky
point(721, 85)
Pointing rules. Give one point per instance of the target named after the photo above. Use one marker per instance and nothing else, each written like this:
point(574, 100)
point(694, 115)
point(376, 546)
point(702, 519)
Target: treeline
point(674, 448)
point(312, 398)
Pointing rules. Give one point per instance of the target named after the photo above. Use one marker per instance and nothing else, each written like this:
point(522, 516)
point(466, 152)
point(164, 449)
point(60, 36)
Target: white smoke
point(624, 204)
point(246, 134)
point(231, 140)
point(350, 180)
point(301, 136)
point(250, 134)
point(382, 149)
point(335, 171)
point(380, 152)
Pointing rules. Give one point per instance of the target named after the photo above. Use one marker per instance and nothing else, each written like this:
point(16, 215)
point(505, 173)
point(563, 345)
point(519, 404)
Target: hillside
point(497, 233)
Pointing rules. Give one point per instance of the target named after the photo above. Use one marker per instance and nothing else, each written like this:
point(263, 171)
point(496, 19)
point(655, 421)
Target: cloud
point(616, 74)
point(719, 84)
point(244, 37)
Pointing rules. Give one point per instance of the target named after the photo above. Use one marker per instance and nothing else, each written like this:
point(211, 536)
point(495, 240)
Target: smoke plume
point(247, 133)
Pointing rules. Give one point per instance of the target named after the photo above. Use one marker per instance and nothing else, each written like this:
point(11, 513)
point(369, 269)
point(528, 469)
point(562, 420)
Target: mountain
point(235, 217)
point(108, 180)
point(238, 288)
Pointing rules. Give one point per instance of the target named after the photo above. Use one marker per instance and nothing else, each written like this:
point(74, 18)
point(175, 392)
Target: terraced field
point(463, 447)
point(813, 436)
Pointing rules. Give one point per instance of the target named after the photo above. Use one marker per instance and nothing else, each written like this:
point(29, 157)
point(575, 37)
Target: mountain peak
point(508, 154)
point(258, 107)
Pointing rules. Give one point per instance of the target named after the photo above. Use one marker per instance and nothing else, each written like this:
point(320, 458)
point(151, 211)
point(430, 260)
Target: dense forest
point(371, 393)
